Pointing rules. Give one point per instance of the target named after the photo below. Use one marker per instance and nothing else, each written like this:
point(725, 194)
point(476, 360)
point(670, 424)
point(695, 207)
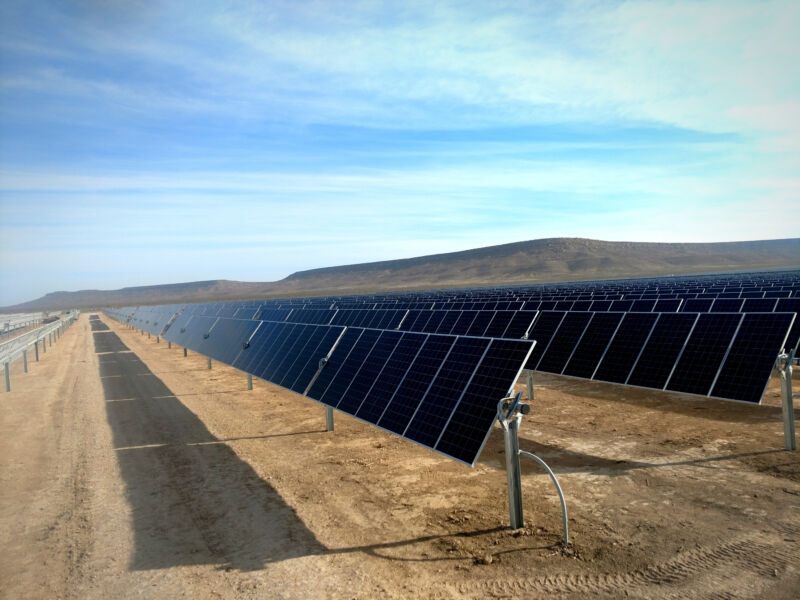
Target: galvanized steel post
point(25, 360)
point(328, 418)
point(249, 381)
point(785, 373)
point(8, 378)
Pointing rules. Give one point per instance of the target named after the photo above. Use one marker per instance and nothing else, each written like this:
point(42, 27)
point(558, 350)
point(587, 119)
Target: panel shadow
point(193, 500)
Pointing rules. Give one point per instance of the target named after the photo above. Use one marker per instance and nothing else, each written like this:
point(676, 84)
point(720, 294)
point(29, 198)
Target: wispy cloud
point(332, 132)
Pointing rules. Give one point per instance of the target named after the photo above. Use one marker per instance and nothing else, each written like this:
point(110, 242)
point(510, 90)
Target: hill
point(536, 261)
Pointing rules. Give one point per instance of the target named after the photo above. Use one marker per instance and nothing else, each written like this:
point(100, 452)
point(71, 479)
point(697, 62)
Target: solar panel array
point(418, 363)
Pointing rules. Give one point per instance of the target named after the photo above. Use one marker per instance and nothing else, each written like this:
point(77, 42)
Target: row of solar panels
point(440, 391)
point(488, 323)
point(724, 355)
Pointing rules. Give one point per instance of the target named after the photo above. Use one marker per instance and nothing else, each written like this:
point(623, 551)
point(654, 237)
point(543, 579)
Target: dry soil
point(131, 471)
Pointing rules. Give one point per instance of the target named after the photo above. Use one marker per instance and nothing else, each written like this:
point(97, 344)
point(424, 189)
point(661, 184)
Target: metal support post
point(249, 381)
point(514, 472)
point(169, 345)
point(8, 379)
point(36, 349)
point(509, 413)
point(148, 335)
point(25, 360)
point(530, 386)
point(158, 339)
point(785, 373)
point(209, 363)
point(328, 418)
point(184, 351)
point(44, 345)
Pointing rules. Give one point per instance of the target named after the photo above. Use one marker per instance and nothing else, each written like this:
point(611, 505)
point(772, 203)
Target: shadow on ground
point(193, 500)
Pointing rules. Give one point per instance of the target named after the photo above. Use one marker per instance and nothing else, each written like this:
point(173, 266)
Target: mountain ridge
point(532, 261)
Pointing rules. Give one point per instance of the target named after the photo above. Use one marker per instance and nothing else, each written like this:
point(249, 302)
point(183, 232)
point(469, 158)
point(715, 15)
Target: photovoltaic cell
point(350, 367)
point(308, 370)
point(746, 370)
point(338, 356)
point(480, 323)
point(520, 324)
point(415, 384)
point(593, 344)
point(625, 347)
point(662, 349)
point(564, 341)
point(437, 405)
point(368, 371)
point(707, 345)
point(471, 422)
point(499, 323)
point(390, 377)
point(542, 333)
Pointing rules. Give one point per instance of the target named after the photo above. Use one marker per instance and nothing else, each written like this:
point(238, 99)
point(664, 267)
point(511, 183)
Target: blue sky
point(146, 142)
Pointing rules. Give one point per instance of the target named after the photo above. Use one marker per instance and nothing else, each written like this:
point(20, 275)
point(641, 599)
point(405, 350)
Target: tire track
point(757, 554)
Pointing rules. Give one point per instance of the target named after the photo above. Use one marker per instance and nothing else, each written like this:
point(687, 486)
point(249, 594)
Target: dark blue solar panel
point(268, 367)
point(791, 305)
point(621, 305)
point(448, 321)
point(311, 341)
point(472, 420)
point(499, 323)
point(667, 305)
point(443, 394)
point(662, 349)
point(542, 332)
point(308, 363)
point(433, 321)
point(697, 305)
point(463, 323)
point(747, 368)
point(481, 322)
point(701, 358)
point(350, 367)
point(643, 305)
point(414, 386)
point(337, 358)
point(226, 338)
point(727, 305)
point(368, 371)
point(390, 377)
point(625, 347)
point(759, 305)
point(520, 324)
point(564, 341)
point(593, 345)
point(601, 305)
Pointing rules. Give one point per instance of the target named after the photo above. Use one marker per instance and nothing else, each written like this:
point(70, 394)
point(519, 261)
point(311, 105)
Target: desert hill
point(536, 261)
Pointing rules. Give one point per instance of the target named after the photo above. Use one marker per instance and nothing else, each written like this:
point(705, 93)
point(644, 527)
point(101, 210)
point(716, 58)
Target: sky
point(161, 142)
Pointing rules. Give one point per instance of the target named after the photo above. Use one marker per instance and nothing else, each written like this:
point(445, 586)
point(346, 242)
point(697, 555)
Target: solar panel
point(746, 370)
point(472, 418)
point(593, 345)
point(405, 400)
point(393, 372)
point(662, 350)
point(368, 371)
point(625, 348)
point(542, 332)
point(564, 341)
point(350, 367)
point(225, 339)
point(706, 348)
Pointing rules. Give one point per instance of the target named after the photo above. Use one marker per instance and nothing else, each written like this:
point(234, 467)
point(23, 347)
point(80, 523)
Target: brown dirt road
point(129, 471)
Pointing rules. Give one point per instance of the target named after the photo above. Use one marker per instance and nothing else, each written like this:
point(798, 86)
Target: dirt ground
point(129, 471)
